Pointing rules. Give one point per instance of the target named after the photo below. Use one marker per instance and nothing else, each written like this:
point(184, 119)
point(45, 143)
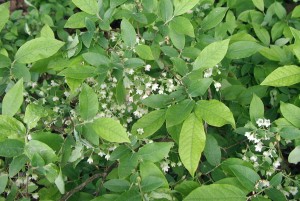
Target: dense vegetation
point(143, 100)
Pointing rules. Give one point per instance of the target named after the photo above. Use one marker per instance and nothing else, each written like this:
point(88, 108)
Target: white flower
point(112, 148)
point(266, 153)
point(276, 164)
point(173, 164)
point(35, 195)
point(55, 98)
point(164, 166)
point(101, 153)
point(267, 122)
point(34, 177)
point(247, 134)
point(148, 67)
point(103, 86)
point(293, 190)
point(140, 131)
point(130, 71)
point(258, 147)
point(260, 122)
point(33, 84)
point(208, 72)
point(56, 109)
point(66, 93)
point(54, 84)
point(253, 158)
point(217, 86)
point(154, 87)
point(29, 137)
point(179, 164)
point(244, 158)
point(90, 160)
point(107, 157)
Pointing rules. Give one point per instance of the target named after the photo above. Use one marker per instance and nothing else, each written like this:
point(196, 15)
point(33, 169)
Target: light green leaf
point(36, 49)
point(214, 18)
point(150, 123)
point(212, 151)
point(11, 128)
point(214, 113)
point(78, 72)
point(88, 103)
point(211, 192)
point(294, 156)
point(262, 34)
point(4, 15)
point(256, 110)
point(259, 4)
point(77, 20)
point(17, 164)
point(11, 148)
point(283, 76)
point(165, 10)
point(179, 112)
point(145, 52)
point(88, 6)
point(242, 49)
point(128, 33)
point(13, 99)
point(3, 182)
point(156, 101)
point(276, 179)
point(59, 182)
point(182, 25)
point(33, 113)
point(295, 12)
point(110, 130)
point(150, 170)
point(211, 55)
point(96, 59)
point(134, 63)
point(155, 152)
point(191, 143)
point(199, 87)
point(182, 6)
point(291, 113)
point(47, 32)
point(115, 3)
point(117, 185)
point(245, 175)
point(177, 39)
point(36, 147)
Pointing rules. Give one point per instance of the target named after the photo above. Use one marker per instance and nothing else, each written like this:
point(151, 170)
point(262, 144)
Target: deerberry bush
point(150, 100)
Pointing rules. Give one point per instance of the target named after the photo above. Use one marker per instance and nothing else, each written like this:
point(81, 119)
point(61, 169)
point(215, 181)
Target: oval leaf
point(155, 152)
point(291, 113)
point(88, 6)
point(128, 33)
point(88, 103)
point(11, 148)
point(182, 6)
point(294, 156)
point(13, 99)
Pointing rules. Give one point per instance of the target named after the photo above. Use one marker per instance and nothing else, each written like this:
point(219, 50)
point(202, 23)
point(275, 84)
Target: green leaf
point(79, 72)
point(59, 182)
point(179, 65)
point(294, 156)
point(182, 25)
point(11, 148)
point(96, 59)
point(211, 192)
point(150, 123)
point(13, 99)
point(212, 151)
point(242, 49)
point(155, 152)
point(289, 133)
point(148, 170)
point(4, 61)
point(199, 87)
point(275, 194)
point(177, 39)
point(165, 10)
point(214, 18)
point(182, 6)
point(36, 147)
point(128, 33)
point(3, 182)
point(214, 113)
point(176, 114)
point(115, 3)
point(245, 175)
point(257, 108)
point(295, 12)
point(134, 63)
point(262, 34)
point(4, 15)
point(120, 92)
point(117, 185)
point(37, 49)
point(291, 113)
point(47, 32)
point(110, 130)
point(53, 140)
point(17, 164)
point(88, 103)
point(191, 143)
point(88, 6)
point(276, 180)
point(156, 101)
point(11, 128)
point(259, 4)
point(77, 20)
point(33, 113)
point(283, 76)
point(186, 186)
point(211, 55)
point(145, 52)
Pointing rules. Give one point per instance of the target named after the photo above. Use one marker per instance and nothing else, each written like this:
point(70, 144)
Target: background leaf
point(213, 18)
point(257, 109)
point(88, 103)
point(128, 33)
point(155, 152)
point(291, 113)
point(4, 15)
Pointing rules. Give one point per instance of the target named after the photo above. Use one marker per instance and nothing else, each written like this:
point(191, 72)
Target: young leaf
point(145, 52)
point(36, 49)
point(182, 25)
point(110, 130)
point(155, 152)
point(11, 148)
point(211, 55)
point(222, 192)
point(179, 112)
point(291, 113)
point(13, 99)
point(182, 6)
point(214, 113)
point(128, 33)
point(47, 32)
point(256, 108)
point(88, 6)
point(294, 156)
point(150, 123)
point(11, 128)
point(214, 18)
point(165, 10)
point(88, 103)
point(4, 15)
point(191, 143)
point(259, 4)
point(283, 76)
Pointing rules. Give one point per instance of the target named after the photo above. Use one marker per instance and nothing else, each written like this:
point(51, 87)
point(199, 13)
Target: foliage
point(150, 100)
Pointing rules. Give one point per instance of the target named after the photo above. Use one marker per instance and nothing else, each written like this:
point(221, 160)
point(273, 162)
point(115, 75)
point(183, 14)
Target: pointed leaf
point(165, 10)
point(4, 15)
point(88, 103)
point(88, 6)
point(214, 18)
point(11, 148)
point(128, 33)
point(36, 147)
point(256, 108)
point(291, 113)
point(11, 128)
point(145, 52)
point(179, 112)
point(155, 152)
point(182, 25)
point(294, 156)
point(182, 6)
point(13, 99)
